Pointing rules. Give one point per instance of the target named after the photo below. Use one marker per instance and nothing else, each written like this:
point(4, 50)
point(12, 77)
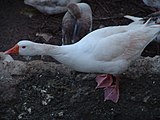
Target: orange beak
point(13, 50)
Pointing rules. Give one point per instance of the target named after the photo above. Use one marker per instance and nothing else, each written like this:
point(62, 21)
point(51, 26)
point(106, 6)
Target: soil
point(68, 95)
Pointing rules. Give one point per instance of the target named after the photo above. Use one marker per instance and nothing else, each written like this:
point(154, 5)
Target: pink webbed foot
point(111, 87)
point(112, 92)
point(104, 81)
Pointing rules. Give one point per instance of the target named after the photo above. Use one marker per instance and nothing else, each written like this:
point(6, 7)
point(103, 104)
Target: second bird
point(76, 23)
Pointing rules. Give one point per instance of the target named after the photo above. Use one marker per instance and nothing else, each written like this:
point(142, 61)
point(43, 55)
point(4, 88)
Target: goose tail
point(147, 22)
point(133, 18)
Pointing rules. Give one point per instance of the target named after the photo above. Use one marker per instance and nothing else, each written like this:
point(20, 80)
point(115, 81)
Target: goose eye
point(23, 46)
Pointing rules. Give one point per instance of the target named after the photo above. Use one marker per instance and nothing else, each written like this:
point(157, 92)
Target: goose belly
point(109, 67)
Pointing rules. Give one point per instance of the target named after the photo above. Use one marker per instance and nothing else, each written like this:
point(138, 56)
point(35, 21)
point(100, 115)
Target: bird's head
point(23, 47)
point(74, 10)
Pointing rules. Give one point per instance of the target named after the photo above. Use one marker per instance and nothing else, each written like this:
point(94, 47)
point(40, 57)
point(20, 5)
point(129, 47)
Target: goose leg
point(110, 85)
point(104, 80)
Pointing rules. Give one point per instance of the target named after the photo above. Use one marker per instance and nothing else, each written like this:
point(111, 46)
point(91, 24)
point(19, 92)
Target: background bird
point(76, 23)
point(50, 6)
point(153, 4)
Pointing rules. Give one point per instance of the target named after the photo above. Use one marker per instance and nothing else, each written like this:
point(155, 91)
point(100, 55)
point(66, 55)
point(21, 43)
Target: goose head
point(24, 48)
point(76, 23)
point(74, 10)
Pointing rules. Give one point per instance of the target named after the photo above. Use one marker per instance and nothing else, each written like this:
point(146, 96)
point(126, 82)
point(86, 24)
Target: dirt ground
point(62, 96)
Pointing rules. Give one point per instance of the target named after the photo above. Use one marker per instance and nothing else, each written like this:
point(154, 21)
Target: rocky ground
point(47, 90)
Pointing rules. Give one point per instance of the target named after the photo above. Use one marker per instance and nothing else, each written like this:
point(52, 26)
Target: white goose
point(108, 50)
point(50, 6)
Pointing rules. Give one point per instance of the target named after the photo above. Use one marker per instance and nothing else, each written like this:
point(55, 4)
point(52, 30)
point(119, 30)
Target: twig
point(106, 10)
point(44, 23)
point(102, 6)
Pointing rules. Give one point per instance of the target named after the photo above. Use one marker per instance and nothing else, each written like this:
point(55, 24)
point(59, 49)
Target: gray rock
point(15, 71)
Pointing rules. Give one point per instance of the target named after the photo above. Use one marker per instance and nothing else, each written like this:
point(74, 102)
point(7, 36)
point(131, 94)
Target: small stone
point(29, 110)
point(20, 116)
point(43, 91)
point(44, 102)
point(133, 98)
point(60, 114)
point(146, 99)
